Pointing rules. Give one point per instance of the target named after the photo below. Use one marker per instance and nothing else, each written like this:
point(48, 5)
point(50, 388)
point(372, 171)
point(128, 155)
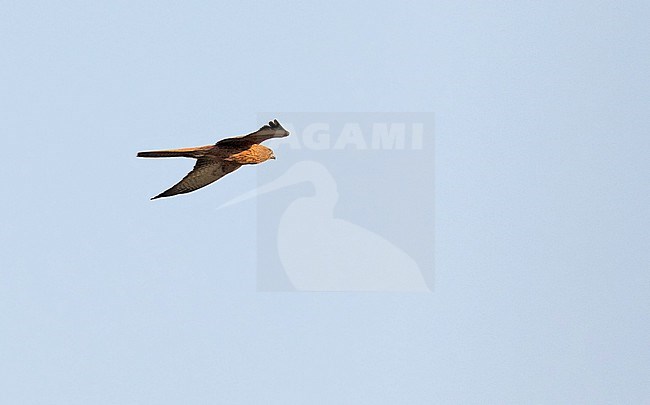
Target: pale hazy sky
point(542, 203)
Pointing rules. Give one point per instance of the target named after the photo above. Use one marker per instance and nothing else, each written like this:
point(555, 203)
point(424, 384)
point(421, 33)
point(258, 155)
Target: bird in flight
point(215, 161)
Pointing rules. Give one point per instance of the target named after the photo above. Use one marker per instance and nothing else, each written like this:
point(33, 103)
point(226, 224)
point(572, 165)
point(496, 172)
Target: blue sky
point(541, 203)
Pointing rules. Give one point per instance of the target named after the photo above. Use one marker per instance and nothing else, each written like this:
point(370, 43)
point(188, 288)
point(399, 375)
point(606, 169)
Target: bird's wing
point(206, 171)
point(272, 130)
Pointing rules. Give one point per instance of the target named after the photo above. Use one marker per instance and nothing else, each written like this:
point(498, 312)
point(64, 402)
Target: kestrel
point(215, 161)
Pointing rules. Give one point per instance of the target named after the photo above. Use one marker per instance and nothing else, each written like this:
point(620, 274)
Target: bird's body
point(215, 161)
point(253, 155)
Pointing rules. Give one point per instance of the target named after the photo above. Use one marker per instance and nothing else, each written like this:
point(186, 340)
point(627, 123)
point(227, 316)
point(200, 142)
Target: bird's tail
point(184, 152)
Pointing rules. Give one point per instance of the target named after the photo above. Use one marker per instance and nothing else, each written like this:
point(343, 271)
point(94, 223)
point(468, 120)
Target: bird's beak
point(273, 157)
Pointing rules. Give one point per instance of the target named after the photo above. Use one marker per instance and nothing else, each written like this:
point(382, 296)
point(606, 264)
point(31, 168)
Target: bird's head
point(262, 152)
